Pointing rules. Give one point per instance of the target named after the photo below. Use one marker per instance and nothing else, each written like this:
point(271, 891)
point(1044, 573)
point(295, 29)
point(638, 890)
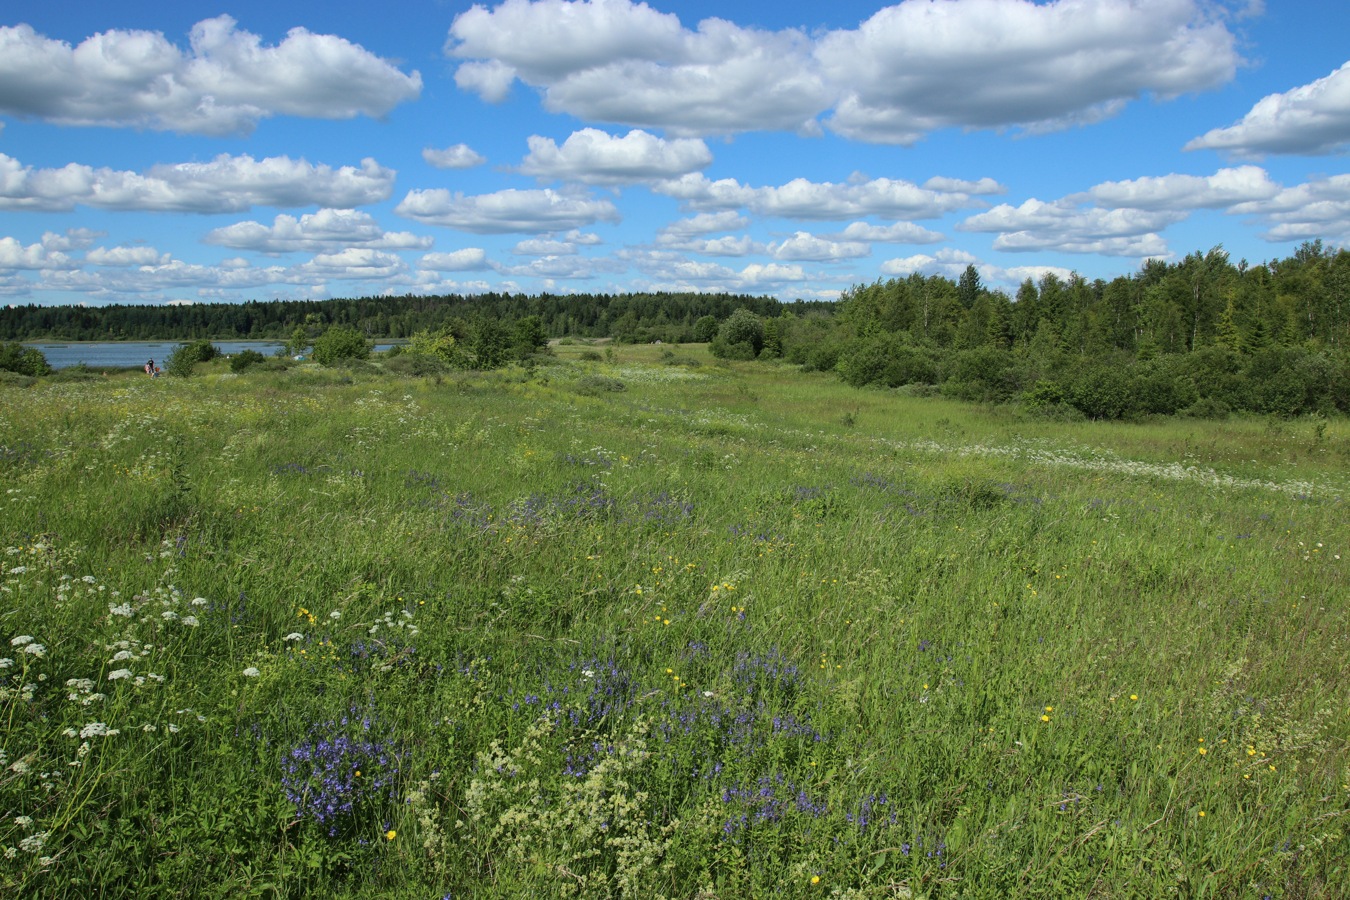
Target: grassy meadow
point(640, 625)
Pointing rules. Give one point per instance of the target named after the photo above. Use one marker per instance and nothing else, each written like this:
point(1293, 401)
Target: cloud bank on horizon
point(610, 145)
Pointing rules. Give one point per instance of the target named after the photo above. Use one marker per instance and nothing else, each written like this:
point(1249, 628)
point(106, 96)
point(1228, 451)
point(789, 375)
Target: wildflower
point(294, 636)
point(33, 843)
point(200, 601)
point(23, 821)
point(123, 609)
point(1045, 718)
point(335, 614)
point(6, 662)
point(251, 672)
point(390, 834)
point(21, 640)
point(36, 650)
point(190, 621)
point(1203, 751)
point(121, 655)
point(1134, 696)
point(117, 674)
point(815, 879)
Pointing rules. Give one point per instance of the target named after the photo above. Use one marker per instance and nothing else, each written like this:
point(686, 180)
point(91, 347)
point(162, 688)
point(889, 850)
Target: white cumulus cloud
point(806, 246)
point(126, 256)
point(14, 255)
point(591, 156)
point(707, 223)
point(921, 65)
point(470, 259)
point(949, 262)
point(895, 233)
point(505, 212)
point(1316, 209)
point(1067, 226)
point(1224, 188)
point(223, 84)
point(912, 67)
point(804, 199)
point(1311, 119)
point(460, 156)
point(225, 184)
point(325, 230)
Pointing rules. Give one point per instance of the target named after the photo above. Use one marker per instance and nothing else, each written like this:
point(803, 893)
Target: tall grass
point(712, 631)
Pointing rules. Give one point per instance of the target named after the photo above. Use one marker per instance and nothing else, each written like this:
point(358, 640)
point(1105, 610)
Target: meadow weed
point(363, 633)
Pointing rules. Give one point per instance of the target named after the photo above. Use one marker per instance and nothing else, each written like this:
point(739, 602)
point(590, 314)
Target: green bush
point(886, 359)
point(245, 359)
point(1102, 392)
point(418, 364)
point(17, 358)
point(338, 343)
point(705, 329)
point(595, 385)
point(742, 327)
point(183, 360)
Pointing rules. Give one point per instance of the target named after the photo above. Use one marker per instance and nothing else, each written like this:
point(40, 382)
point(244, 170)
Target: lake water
point(121, 354)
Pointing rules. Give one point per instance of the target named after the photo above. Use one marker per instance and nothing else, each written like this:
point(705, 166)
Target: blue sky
point(156, 153)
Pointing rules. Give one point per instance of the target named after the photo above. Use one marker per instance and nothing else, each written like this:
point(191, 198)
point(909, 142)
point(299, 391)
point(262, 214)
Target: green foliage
point(246, 359)
point(741, 336)
point(442, 345)
point(15, 357)
point(297, 343)
point(340, 343)
point(595, 385)
point(182, 362)
point(705, 329)
point(528, 337)
point(525, 643)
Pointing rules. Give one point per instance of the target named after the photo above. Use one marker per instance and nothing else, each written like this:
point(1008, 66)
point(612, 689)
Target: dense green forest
point(1200, 336)
point(631, 317)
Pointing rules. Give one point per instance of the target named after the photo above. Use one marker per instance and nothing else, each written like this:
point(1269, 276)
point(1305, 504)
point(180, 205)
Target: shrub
point(595, 385)
point(1206, 408)
point(338, 343)
point(705, 329)
point(17, 358)
point(990, 373)
point(183, 360)
point(885, 359)
point(418, 364)
point(742, 327)
point(245, 359)
point(1102, 392)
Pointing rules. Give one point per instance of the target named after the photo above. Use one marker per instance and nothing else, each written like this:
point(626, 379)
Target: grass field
point(648, 626)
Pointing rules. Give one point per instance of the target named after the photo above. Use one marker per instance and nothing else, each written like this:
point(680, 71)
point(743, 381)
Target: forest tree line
point(627, 317)
point(1201, 335)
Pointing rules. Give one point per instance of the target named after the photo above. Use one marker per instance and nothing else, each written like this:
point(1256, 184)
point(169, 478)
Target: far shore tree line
point(1202, 336)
